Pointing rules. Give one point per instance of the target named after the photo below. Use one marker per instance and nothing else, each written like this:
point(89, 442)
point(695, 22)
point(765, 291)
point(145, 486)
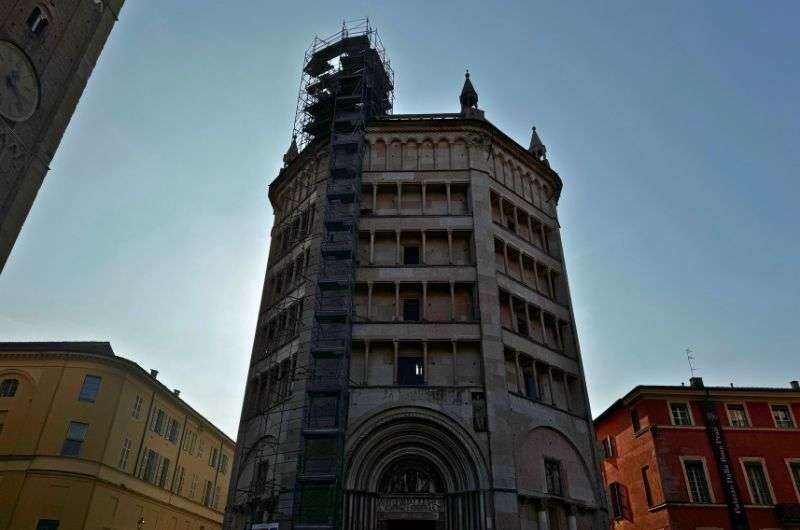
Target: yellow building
point(89, 440)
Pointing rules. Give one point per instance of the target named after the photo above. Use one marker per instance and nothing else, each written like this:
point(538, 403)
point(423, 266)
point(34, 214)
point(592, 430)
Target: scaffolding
point(346, 81)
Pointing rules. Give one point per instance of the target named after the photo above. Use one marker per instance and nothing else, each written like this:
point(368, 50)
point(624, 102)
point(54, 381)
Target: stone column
point(375, 197)
point(505, 257)
point(424, 361)
point(423, 198)
point(369, 300)
point(450, 246)
point(452, 300)
point(371, 247)
point(447, 186)
point(397, 301)
point(424, 314)
point(454, 348)
point(520, 379)
point(572, 517)
point(423, 258)
point(543, 517)
point(398, 254)
point(366, 361)
point(396, 355)
point(399, 197)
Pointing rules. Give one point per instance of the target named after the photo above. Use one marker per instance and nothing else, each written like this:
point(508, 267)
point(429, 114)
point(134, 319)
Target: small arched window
point(37, 21)
point(8, 388)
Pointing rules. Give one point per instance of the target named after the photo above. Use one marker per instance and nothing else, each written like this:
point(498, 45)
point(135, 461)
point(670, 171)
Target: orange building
point(89, 440)
point(702, 458)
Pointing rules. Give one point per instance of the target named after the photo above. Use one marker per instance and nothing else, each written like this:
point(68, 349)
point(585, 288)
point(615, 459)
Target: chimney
point(696, 382)
point(176, 392)
point(154, 373)
point(795, 385)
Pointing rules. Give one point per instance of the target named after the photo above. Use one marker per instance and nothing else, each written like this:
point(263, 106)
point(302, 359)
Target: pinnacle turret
point(537, 148)
point(291, 153)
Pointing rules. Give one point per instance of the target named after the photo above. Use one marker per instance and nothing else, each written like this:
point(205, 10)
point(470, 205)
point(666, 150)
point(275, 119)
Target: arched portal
point(414, 468)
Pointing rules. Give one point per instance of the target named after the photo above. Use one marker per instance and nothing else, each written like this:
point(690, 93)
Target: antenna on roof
point(689, 359)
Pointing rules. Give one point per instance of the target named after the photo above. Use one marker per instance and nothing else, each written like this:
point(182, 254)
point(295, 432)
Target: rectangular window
point(149, 466)
point(90, 388)
point(411, 309)
point(757, 480)
point(180, 472)
point(207, 490)
point(47, 524)
point(697, 481)
point(212, 457)
point(157, 425)
point(76, 435)
point(411, 255)
point(552, 471)
point(648, 493)
point(124, 454)
point(615, 494)
point(3, 414)
point(137, 407)
point(223, 464)
point(410, 371)
point(782, 416)
point(193, 486)
point(738, 415)
point(680, 414)
point(635, 420)
point(163, 472)
point(609, 449)
point(172, 431)
point(794, 467)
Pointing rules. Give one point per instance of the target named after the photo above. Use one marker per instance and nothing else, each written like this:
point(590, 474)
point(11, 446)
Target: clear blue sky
point(674, 126)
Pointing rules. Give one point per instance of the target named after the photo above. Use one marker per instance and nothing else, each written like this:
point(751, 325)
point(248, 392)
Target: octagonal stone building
point(416, 363)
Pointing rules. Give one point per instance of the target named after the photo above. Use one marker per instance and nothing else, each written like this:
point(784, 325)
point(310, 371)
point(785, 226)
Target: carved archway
point(410, 463)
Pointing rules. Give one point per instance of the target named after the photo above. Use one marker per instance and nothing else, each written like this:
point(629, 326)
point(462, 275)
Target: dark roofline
point(101, 348)
point(686, 389)
point(106, 353)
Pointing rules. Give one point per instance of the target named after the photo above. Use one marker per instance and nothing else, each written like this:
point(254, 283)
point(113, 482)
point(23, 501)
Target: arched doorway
point(411, 468)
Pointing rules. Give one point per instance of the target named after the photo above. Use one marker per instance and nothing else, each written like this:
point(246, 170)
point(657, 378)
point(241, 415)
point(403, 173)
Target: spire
point(537, 148)
point(469, 99)
point(292, 152)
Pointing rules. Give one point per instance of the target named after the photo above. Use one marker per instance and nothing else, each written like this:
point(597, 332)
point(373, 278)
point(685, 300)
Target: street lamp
point(140, 523)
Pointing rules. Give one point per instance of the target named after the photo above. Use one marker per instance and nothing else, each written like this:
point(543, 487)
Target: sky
point(674, 126)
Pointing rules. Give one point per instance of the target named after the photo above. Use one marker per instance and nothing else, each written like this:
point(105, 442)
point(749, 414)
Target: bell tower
point(48, 49)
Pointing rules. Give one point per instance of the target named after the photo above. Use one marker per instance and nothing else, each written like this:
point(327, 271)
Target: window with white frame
point(697, 481)
point(136, 411)
point(794, 470)
point(124, 454)
point(782, 416)
point(737, 415)
point(757, 483)
point(680, 413)
point(609, 448)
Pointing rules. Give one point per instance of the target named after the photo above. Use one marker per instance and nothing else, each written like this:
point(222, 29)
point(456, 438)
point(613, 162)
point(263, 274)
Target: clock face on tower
point(19, 84)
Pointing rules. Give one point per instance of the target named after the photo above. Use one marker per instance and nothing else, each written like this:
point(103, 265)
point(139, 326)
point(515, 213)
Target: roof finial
point(537, 148)
point(292, 152)
point(469, 99)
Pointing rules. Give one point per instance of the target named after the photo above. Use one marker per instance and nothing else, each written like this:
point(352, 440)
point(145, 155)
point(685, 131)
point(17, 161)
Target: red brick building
point(701, 458)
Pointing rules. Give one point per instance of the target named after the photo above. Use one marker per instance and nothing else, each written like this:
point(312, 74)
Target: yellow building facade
point(90, 440)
